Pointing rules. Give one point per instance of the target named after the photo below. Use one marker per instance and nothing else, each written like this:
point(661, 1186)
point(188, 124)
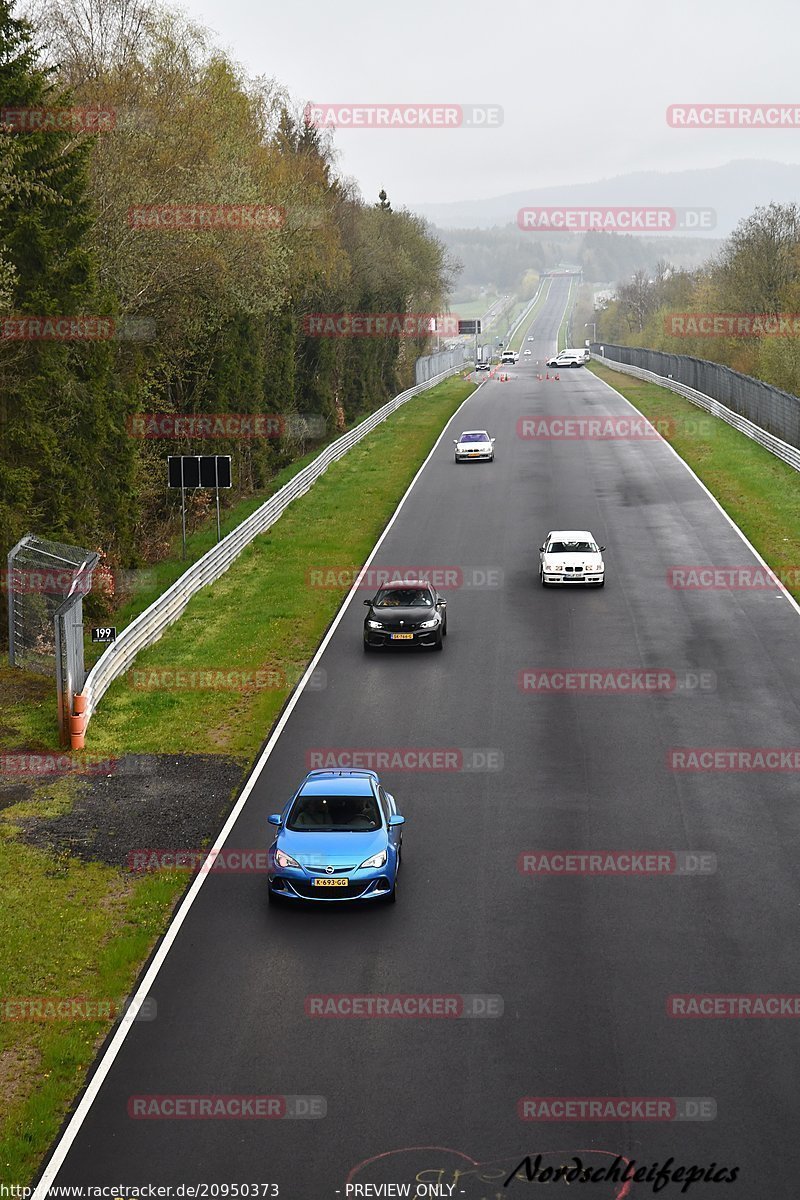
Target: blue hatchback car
point(339, 838)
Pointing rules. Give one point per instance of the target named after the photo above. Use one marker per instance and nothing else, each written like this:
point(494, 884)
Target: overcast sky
point(584, 86)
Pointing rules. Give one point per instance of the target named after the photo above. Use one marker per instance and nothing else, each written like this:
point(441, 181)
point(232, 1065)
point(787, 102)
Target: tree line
point(142, 117)
point(751, 283)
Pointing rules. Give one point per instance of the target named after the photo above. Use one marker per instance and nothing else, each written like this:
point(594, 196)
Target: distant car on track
point(406, 613)
point(474, 444)
point(528, 352)
point(482, 366)
point(339, 838)
point(567, 358)
point(530, 338)
point(571, 556)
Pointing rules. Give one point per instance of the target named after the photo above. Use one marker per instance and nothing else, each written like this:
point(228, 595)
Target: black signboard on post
point(198, 470)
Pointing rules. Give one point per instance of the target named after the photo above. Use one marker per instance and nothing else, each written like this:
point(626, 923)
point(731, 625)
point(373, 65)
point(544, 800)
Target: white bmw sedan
point(474, 443)
point(571, 556)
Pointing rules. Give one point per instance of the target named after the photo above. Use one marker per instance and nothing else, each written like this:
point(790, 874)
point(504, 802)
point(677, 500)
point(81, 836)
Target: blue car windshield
point(334, 814)
point(572, 548)
point(474, 437)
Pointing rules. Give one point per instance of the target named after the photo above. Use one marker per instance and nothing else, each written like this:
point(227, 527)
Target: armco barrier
point(789, 454)
point(149, 626)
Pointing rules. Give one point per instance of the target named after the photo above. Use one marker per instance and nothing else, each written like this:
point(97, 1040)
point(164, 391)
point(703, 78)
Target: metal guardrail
point(789, 454)
point(148, 627)
point(769, 407)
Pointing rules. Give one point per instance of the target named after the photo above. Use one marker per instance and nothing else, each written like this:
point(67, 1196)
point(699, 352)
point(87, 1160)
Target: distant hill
point(732, 190)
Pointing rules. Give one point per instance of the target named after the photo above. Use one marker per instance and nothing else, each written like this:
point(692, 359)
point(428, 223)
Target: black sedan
point(406, 613)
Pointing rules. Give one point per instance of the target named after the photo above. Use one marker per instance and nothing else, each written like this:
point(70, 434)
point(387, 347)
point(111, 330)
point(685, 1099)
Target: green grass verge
point(466, 310)
point(758, 491)
point(266, 613)
point(70, 928)
point(154, 580)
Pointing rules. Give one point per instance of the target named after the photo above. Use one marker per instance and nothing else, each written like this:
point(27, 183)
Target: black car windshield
point(474, 437)
point(572, 548)
point(403, 598)
point(334, 814)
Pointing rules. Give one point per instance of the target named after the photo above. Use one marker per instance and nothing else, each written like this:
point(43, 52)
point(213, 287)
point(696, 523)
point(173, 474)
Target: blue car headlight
point(377, 860)
point(285, 860)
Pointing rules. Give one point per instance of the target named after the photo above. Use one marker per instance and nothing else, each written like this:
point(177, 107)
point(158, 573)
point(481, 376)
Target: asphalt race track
point(584, 964)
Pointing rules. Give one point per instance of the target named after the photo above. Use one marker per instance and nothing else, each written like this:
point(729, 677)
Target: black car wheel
point(367, 647)
point(541, 577)
point(439, 643)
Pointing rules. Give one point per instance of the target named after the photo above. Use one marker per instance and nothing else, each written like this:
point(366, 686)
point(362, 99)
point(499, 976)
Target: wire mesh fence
point(770, 408)
point(42, 574)
point(430, 365)
point(45, 585)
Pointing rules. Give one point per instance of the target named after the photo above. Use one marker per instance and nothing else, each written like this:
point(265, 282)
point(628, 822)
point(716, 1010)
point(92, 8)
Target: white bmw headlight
point(374, 624)
point(285, 860)
point(434, 621)
point(377, 860)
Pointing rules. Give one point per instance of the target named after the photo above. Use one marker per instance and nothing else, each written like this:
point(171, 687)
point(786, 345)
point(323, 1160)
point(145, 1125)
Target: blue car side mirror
point(396, 820)
point(275, 819)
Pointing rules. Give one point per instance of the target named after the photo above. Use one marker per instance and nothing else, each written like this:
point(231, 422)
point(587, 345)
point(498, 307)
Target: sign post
point(472, 326)
point(198, 470)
